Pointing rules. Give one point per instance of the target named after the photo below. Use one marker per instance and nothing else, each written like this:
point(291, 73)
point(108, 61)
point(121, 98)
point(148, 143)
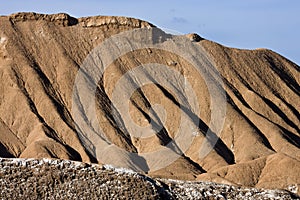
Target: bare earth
point(40, 56)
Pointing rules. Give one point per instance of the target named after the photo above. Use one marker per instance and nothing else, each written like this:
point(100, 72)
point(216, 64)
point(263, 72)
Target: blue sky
point(273, 24)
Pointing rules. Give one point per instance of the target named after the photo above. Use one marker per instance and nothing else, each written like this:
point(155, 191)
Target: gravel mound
point(64, 179)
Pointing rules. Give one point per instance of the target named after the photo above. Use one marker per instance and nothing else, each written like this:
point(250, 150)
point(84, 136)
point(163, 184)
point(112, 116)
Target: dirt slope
point(40, 56)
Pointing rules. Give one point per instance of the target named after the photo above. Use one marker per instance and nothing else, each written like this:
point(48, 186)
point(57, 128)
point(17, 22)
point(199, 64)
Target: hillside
point(179, 107)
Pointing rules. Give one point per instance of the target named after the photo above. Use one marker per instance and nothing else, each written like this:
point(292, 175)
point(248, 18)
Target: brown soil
point(40, 56)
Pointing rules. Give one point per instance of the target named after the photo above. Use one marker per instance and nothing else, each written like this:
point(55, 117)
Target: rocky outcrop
point(57, 19)
point(62, 179)
point(64, 19)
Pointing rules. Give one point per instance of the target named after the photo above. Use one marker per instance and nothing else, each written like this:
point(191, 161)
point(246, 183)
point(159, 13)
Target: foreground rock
point(62, 179)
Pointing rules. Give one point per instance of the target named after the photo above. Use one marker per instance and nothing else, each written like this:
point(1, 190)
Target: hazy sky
point(273, 24)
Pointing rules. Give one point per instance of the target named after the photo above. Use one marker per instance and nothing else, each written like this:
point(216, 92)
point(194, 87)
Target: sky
point(246, 24)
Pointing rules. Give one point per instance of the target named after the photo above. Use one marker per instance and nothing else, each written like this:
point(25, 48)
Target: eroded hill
point(258, 144)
